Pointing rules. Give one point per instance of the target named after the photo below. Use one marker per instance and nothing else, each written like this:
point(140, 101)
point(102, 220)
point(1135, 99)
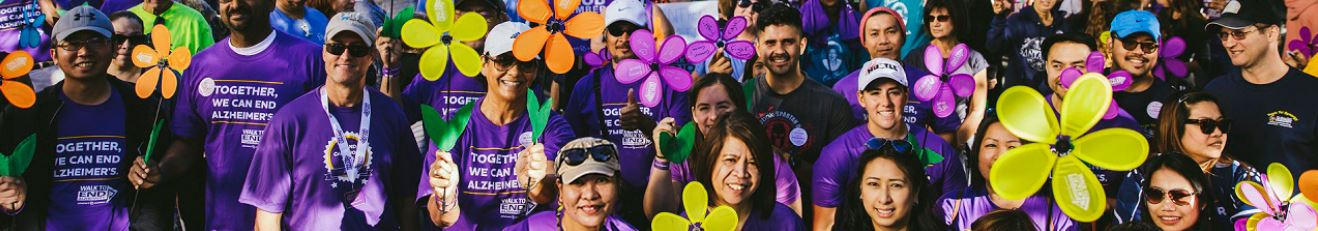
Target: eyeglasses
point(617, 29)
point(506, 62)
point(896, 145)
point(75, 45)
point(1148, 47)
point(1179, 196)
point(356, 51)
point(576, 156)
point(938, 18)
point(755, 6)
point(1236, 34)
point(1208, 125)
point(132, 40)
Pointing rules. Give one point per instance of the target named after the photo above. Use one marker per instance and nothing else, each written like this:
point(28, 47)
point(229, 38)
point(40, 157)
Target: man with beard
point(1134, 49)
point(222, 106)
point(799, 114)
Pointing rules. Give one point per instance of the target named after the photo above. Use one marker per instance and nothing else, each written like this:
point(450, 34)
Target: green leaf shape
point(678, 148)
point(444, 133)
point(151, 142)
point(748, 90)
point(393, 28)
point(16, 163)
point(928, 157)
point(539, 114)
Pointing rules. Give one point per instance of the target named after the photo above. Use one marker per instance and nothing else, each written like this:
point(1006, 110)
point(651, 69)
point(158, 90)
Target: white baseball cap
point(632, 11)
point(500, 39)
point(881, 68)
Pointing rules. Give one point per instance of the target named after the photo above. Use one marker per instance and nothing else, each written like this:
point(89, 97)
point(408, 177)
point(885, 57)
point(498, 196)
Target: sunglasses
point(618, 29)
point(576, 156)
point(1236, 34)
point(1179, 196)
point(503, 63)
point(896, 145)
point(1148, 47)
point(132, 40)
point(1208, 125)
point(938, 18)
point(357, 51)
point(755, 6)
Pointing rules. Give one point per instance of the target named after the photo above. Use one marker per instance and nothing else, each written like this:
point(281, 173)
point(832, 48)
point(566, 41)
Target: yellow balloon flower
point(161, 64)
point(444, 36)
point(1277, 209)
point(696, 200)
point(1021, 172)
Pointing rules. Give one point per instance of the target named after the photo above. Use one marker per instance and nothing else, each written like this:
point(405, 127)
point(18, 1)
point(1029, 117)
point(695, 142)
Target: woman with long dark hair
point(735, 165)
point(891, 192)
point(1177, 194)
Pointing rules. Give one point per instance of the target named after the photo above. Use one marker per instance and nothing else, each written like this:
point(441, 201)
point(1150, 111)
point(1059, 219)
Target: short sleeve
point(830, 173)
point(269, 179)
point(557, 133)
point(789, 188)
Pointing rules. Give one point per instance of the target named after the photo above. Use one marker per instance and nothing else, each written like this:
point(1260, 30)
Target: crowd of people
point(868, 115)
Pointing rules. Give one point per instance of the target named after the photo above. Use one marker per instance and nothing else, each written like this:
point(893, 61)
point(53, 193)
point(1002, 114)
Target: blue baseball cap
point(1134, 21)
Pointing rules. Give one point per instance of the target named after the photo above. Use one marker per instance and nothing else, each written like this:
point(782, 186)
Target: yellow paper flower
point(1021, 172)
point(696, 200)
point(161, 64)
point(444, 36)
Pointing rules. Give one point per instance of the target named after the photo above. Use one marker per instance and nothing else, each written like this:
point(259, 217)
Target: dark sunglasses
point(896, 145)
point(1208, 125)
point(576, 156)
point(1148, 47)
point(132, 40)
point(939, 18)
point(1178, 196)
point(618, 29)
point(354, 50)
point(505, 62)
point(755, 6)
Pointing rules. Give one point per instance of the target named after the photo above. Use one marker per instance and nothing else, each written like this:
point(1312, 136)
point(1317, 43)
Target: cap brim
point(98, 30)
point(1233, 22)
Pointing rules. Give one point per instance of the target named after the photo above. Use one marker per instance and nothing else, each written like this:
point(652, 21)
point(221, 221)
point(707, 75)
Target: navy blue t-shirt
point(1274, 122)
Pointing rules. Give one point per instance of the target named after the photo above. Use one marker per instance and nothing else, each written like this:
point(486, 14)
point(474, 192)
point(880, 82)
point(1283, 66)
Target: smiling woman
point(735, 165)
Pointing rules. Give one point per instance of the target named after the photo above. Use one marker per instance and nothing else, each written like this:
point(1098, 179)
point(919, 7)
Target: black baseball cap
point(1243, 13)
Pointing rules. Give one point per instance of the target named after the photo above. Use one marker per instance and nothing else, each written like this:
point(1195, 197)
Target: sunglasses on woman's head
point(880, 144)
point(354, 50)
point(1208, 125)
point(576, 156)
point(1179, 196)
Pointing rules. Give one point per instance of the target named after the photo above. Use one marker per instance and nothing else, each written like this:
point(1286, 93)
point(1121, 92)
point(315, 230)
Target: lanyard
point(350, 159)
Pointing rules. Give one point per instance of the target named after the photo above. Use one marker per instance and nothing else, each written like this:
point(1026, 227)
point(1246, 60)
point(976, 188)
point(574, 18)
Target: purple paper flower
point(943, 84)
point(654, 66)
point(1169, 62)
point(715, 38)
point(1095, 64)
point(1307, 44)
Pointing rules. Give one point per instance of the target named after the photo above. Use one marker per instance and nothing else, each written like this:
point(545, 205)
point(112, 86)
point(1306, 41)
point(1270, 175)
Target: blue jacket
point(1226, 207)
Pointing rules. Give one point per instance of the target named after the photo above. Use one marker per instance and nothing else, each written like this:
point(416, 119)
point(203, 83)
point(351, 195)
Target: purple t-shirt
point(301, 171)
point(961, 208)
point(916, 111)
point(11, 25)
point(490, 195)
point(635, 149)
point(841, 165)
point(789, 189)
point(549, 221)
point(447, 94)
point(226, 101)
point(89, 167)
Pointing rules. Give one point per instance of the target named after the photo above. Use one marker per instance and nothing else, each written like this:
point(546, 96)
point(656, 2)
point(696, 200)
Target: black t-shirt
point(1144, 106)
point(801, 122)
point(1274, 122)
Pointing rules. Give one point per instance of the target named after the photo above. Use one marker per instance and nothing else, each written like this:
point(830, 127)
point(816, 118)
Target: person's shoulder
point(293, 44)
point(298, 107)
point(818, 90)
point(546, 220)
point(1298, 79)
point(1224, 82)
point(857, 135)
point(183, 9)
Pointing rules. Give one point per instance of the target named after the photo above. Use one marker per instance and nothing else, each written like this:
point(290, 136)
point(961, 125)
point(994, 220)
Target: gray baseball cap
point(355, 22)
point(82, 18)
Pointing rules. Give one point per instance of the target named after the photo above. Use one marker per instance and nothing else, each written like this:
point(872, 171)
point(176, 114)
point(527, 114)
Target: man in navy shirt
point(1271, 103)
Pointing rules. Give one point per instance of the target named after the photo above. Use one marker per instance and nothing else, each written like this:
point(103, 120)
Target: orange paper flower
point(17, 64)
point(160, 63)
point(548, 36)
